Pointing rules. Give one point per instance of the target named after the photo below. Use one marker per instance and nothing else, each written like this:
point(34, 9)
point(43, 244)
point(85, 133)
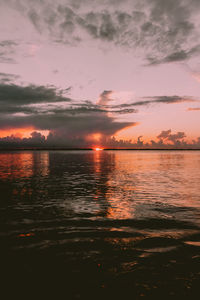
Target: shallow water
point(101, 224)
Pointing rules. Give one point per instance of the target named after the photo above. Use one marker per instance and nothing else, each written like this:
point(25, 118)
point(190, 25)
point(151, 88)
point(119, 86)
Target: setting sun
point(98, 149)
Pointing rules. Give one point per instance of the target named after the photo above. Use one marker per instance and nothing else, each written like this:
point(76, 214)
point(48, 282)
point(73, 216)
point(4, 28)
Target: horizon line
point(93, 149)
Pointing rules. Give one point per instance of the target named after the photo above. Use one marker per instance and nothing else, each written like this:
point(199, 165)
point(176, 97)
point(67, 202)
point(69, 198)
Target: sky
point(90, 72)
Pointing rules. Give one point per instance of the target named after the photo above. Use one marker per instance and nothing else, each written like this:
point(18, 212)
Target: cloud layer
point(48, 108)
point(165, 140)
point(70, 122)
point(159, 30)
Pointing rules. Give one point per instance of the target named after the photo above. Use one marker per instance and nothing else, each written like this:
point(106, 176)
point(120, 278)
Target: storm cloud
point(46, 108)
point(70, 121)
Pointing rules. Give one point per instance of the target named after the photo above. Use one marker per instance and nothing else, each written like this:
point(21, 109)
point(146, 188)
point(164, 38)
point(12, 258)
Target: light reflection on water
point(103, 214)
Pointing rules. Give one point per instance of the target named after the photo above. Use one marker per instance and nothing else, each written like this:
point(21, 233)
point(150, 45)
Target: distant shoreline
point(91, 149)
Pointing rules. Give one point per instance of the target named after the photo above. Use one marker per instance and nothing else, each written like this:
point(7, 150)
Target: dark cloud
point(64, 126)
point(47, 108)
point(174, 138)
point(6, 78)
point(87, 109)
point(157, 100)
point(164, 134)
point(107, 29)
point(104, 98)
point(19, 103)
point(157, 28)
point(35, 19)
point(176, 56)
point(7, 50)
point(8, 43)
point(36, 140)
point(171, 99)
point(124, 111)
point(23, 95)
point(6, 60)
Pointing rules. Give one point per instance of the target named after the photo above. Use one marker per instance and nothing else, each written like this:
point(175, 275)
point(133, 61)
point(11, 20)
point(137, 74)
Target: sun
point(98, 149)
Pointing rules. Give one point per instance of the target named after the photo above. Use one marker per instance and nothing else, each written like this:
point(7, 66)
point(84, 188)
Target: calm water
point(100, 225)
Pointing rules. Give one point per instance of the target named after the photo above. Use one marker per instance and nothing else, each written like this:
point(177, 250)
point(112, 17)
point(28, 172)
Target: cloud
point(47, 108)
point(161, 31)
point(158, 100)
point(175, 138)
point(6, 78)
point(35, 140)
point(171, 99)
point(22, 95)
point(193, 109)
point(7, 50)
point(69, 121)
point(166, 140)
point(164, 134)
point(104, 98)
point(175, 56)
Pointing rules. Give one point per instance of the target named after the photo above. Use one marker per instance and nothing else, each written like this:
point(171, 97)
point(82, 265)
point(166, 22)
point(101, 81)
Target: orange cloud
point(193, 109)
point(21, 132)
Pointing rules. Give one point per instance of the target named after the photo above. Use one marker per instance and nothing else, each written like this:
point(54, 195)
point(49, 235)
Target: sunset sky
point(88, 70)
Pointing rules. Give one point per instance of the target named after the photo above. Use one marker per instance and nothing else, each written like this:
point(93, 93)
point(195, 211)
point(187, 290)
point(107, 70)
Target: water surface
point(101, 225)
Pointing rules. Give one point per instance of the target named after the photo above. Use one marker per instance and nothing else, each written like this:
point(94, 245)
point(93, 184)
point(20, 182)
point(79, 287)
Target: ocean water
point(100, 224)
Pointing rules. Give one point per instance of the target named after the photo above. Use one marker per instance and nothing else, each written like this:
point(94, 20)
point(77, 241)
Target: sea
point(116, 224)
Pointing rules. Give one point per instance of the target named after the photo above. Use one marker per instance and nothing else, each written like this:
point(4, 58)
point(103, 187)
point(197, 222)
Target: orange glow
point(94, 137)
point(21, 132)
point(98, 149)
point(26, 234)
